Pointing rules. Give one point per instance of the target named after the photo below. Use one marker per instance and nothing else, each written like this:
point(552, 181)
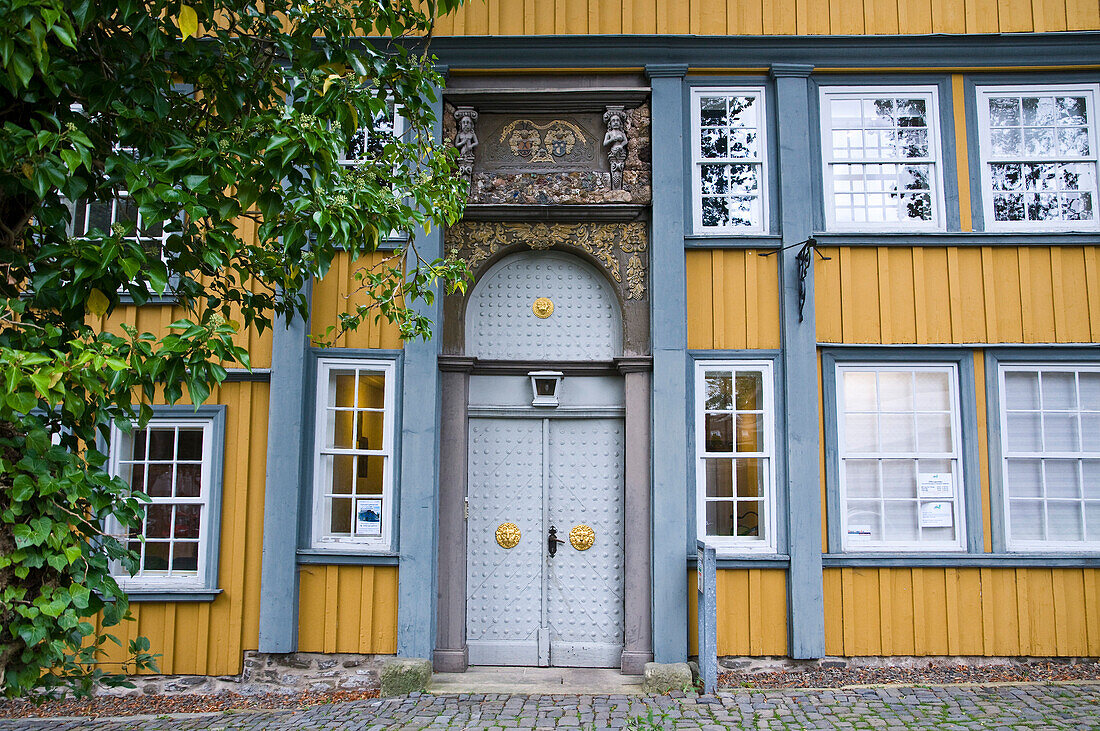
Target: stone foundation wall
point(295, 672)
point(772, 664)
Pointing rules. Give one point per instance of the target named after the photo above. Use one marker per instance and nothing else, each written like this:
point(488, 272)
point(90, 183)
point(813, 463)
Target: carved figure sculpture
point(466, 140)
point(615, 140)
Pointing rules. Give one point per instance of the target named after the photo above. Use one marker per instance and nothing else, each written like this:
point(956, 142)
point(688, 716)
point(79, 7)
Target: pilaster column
point(668, 279)
point(805, 598)
point(282, 497)
point(416, 506)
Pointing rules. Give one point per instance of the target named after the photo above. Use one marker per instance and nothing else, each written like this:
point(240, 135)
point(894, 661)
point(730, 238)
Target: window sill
point(728, 240)
point(952, 560)
point(346, 557)
point(734, 560)
point(147, 594)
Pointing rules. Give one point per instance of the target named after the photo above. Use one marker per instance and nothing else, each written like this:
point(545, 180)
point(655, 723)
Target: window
point(899, 447)
point(176, 461)
point(353, 459)
point(1050, 447)
point(729, 176)
point(735, 455)
point(880, 151)
point(104, 215)
point(367, 142)
point(1038, 156)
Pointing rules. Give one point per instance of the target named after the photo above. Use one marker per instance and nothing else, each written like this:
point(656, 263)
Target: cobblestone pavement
point(954, 708)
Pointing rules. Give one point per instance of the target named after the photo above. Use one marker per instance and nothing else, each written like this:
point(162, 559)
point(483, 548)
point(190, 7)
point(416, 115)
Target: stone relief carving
point(549, 159)
point(616, 142)
point(618, 247)
point(465, 140)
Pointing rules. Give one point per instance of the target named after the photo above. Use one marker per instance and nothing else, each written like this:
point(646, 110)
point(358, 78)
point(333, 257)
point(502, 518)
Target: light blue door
point(528, 605)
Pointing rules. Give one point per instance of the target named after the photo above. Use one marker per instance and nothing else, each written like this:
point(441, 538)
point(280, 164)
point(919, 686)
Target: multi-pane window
point(899, 448)
point(170, 460)
point(728, 151)
point(1050, 444)
point(735, 454)
point(880, 150)
point(354, 453)
point(1038, 153)
point(120, 211)
point(367, 142)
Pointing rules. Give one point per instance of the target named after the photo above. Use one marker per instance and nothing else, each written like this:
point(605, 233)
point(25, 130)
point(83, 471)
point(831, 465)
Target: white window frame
point(321, 485)
point(207, 525)
point(398, 132)
point(697, 161)
point(729, 545)
point(1081, 454)
point(842, 454)
point(930, 94)
point(985, 148)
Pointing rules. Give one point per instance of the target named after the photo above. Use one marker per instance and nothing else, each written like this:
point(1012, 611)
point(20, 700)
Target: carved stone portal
point(620, 249)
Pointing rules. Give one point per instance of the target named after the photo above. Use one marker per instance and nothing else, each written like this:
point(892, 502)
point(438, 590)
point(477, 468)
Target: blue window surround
point(306, 553)
point(970, 83)
point(749, 560)
point(947, 142)
point(994, 358)
point(216, 414)
point(771, 165)
point(963, 360)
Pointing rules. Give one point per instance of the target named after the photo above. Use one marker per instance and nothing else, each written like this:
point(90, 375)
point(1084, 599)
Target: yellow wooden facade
point(767, 17)
point(874, 295)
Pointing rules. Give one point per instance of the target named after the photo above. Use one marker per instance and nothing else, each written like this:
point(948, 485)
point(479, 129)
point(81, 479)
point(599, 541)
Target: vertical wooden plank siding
point(209, 638)
point(339, 292)
point(348, 609)
point(752, 612)
point(733, 299)
point(156, 319)
point(961, 611)
point(895, 294)
point(769, 17)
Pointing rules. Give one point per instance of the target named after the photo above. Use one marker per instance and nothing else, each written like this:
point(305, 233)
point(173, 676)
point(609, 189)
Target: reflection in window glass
point(899, 449)
point(880, 153)
point(169, 461)
point(1039, 156)
point(728, 154)
point(735, 454)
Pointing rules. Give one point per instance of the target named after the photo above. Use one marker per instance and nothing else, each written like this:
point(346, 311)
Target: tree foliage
point(227, 121)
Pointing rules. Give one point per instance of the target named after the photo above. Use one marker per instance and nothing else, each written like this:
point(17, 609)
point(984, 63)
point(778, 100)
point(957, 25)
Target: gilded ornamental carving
point(619, 248)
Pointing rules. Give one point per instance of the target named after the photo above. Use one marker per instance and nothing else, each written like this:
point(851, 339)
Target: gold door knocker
point(508, 535)
point(543, 308)
point(582, 537)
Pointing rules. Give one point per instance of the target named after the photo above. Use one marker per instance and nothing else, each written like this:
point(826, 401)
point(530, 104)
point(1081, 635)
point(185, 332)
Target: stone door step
point(536, 681)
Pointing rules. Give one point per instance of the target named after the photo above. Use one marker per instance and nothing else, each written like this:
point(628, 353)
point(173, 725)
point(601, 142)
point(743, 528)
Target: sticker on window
point(934, 484)
point(936, 515)
point(368, 517)
point(859, 532)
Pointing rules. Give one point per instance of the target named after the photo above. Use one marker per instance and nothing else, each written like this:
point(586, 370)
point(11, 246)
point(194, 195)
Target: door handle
point(552, 541)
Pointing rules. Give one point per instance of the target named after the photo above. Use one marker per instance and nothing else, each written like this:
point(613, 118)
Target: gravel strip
point(932, 674)
point(161, 705)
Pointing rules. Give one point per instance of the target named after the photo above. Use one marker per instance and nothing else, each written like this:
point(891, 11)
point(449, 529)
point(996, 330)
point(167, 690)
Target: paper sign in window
point(937, 515)
point(859, 532)
point(934, 484)
point(368, 517)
